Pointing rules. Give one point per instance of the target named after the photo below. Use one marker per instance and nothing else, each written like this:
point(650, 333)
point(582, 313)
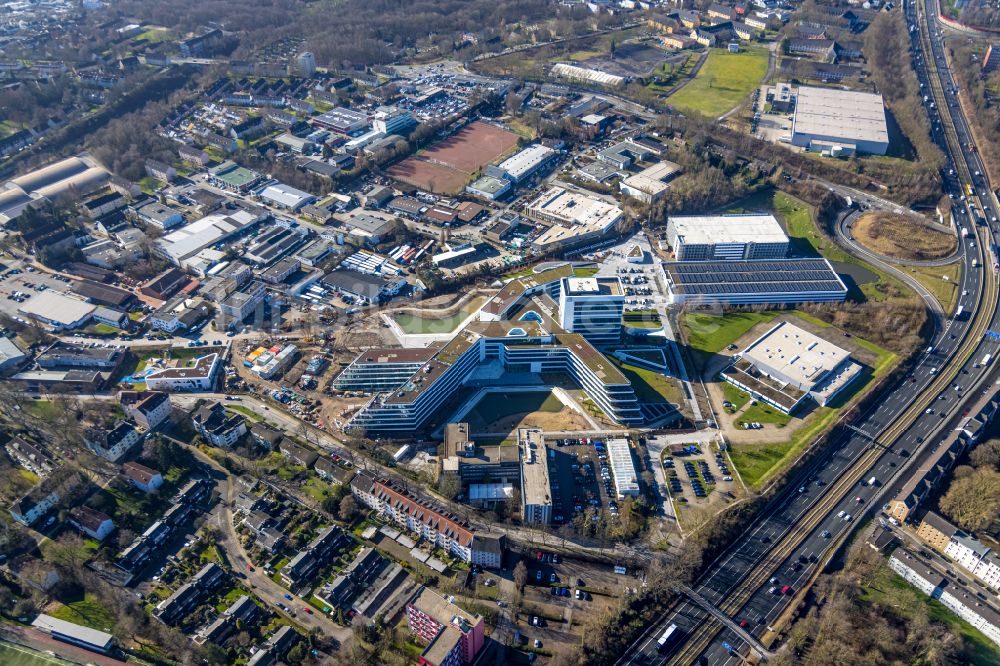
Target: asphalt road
point(731, 568)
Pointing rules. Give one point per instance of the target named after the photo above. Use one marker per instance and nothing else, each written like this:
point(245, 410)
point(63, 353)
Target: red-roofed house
point(145, 479)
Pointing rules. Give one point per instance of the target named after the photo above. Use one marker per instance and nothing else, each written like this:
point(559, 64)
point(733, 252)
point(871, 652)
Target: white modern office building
point(726, 237)
point(525, 344)
point(592, 307)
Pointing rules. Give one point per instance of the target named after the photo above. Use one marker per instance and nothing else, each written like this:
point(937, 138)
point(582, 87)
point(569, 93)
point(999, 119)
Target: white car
point(841, 514)
point(847, 518)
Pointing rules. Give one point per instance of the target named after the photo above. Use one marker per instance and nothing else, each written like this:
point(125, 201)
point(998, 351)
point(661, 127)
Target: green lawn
point(709, 334)
point(44, 410)
point(87, 611)
point(765, 413)
point(650, 386)
point(246, 411)
point(722, 82)
point(412, 324)
point(496, 406)
point(735, 395)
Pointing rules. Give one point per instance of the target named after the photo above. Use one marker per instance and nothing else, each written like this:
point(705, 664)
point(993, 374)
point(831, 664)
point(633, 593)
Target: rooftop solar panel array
point(754, 277)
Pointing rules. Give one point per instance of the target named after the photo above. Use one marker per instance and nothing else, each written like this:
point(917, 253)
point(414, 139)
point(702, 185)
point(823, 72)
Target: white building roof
point(193, 237)
point(58, 308)
point(575, 214)
point(51, 625)
point(584, 74)
point(286, 195)
point(713, 229)
point(526, 161)
point(796, 354)
point(853, 116)
point(652, 180)
point(622, 467)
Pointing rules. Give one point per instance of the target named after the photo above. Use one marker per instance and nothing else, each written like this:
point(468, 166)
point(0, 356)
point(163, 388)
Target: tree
point(348, 508)
point(986, 455)
point(974, 501)
point(520, 575)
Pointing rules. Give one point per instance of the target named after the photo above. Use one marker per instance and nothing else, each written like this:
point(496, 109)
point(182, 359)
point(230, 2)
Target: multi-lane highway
point(788, 541)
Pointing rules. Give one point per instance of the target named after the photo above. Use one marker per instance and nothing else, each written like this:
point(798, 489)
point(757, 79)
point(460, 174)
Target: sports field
point(448, 165)
point(12, 655)
point(722, 82)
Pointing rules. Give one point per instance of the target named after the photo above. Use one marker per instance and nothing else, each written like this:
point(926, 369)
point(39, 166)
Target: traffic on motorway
point(976, 209)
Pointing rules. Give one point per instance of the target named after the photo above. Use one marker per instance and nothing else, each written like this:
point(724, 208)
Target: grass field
point(765, 413)
point(722, 82)
point(12, 655)
point(933, 278)
point(651, 386)
point(708, 334)
point(902, 237)
point(86, 611)
point(411, 324)
point(495, 407)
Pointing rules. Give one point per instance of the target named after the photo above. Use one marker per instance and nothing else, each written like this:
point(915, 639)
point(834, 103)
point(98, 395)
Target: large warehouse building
point(839, 122)
point(726, 237)
point(788, 364)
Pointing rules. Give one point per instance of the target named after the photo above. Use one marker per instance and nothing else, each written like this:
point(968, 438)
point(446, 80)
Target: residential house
point(298, 454)
point(160, 171)
point(33, 457)
point(452, 635)
point(218, 426)
point(147, 408)
point(28, 509)
point(144, 478)
point(441, 528)
point(93, 523)
point(199, 376)
point(112, 444)
point(266, 436)
point(193, 156)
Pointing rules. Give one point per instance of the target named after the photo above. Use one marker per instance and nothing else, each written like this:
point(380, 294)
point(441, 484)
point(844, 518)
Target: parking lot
point(18, 283)
point(559, 597)
point(579, 478)
point(698, 474)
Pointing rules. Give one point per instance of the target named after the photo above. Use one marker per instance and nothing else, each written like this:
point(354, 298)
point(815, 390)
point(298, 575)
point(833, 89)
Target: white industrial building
point(839, 122)
point(576, 218)
point(622, 468)
point(284, 196)
point(726, 237)
point(650, 184)
point(788, 364)
point(57, 311)
point(584, 74)
point(189, 240)
point(522, 165)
